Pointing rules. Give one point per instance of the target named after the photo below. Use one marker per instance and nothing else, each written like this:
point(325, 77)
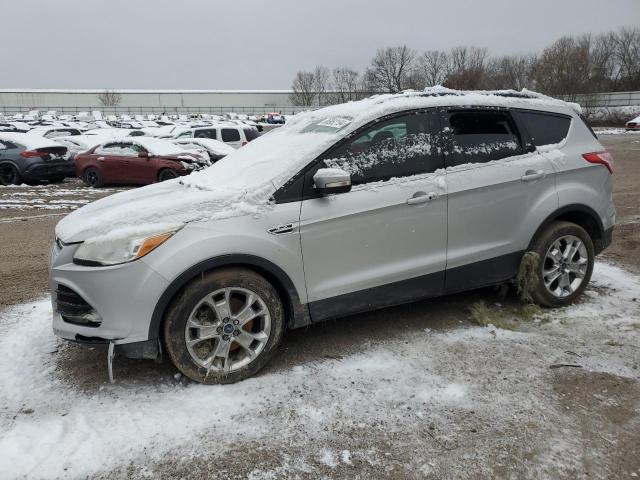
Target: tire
point(9, 175)
point(213, 333)
point(166, 174)
point(92, 177)
point(552, 246)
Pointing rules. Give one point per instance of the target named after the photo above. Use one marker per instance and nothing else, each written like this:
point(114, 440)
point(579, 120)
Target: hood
point(169, 202)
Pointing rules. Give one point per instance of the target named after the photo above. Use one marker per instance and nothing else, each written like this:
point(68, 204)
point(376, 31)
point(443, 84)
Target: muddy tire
point(224, 326)
point(566, 258)
point(93, 178)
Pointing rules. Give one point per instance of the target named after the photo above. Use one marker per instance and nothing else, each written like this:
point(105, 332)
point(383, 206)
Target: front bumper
point(123, 296)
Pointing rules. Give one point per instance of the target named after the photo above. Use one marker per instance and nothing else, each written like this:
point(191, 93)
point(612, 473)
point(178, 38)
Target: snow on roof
point(31, 142)
point(637, 120)
point(156, 146)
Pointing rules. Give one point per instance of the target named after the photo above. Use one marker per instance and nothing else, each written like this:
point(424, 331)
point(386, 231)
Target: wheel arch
point(581, 215)
point(297, 314)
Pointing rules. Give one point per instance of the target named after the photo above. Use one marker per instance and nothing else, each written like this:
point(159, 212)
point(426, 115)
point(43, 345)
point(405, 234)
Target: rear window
point(230, 135)
point(481, 136)
point(251, 134)
point(545, 128)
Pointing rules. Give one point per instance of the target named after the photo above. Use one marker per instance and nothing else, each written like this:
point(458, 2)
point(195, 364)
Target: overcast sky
point(250, 44)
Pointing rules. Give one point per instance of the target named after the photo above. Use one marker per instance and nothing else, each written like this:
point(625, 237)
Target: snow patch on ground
point(407, 386)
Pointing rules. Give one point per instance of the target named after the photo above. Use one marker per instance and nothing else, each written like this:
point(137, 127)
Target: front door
point(384, 242)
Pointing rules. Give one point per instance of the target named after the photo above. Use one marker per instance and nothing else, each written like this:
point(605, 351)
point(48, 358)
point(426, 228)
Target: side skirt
point(467, 277)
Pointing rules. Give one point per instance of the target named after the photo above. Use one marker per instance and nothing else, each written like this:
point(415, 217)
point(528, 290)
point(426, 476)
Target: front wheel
point(566, 258)
point(224, 327)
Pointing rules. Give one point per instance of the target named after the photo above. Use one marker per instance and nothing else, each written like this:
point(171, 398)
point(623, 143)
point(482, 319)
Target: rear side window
point(480, 136)
point(206, 133)
point(251, 134)
point(545, 128)
point(398, 147)
point(230, 135)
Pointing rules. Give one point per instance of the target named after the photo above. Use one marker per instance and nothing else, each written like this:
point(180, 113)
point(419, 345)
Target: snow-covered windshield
point(274, 157)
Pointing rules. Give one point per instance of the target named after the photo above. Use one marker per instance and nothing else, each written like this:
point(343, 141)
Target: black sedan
point(26, 158)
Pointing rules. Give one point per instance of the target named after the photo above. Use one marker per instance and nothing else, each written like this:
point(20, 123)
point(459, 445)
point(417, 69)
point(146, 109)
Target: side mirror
point(143, 154)
point(328, 181)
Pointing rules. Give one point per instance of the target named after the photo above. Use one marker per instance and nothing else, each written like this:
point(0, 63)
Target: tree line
point(570, 66)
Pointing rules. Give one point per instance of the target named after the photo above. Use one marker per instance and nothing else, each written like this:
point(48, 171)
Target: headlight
point(122, 246)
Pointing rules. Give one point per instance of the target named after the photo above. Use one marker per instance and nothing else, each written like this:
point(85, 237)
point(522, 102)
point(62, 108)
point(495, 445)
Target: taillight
point(32, 153)
point(601, 158)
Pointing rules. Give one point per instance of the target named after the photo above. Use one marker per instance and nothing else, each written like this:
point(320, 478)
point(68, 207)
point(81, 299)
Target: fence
point(612, 99)
point(590, 100)
point(287, 110)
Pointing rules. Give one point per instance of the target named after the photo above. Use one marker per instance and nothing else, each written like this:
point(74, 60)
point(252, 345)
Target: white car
point(214, 148)
point(230, 134)
point(633, 124)
point(54, 131)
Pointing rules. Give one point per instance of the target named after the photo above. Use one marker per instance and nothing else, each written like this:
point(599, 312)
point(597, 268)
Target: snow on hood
point(243, 182)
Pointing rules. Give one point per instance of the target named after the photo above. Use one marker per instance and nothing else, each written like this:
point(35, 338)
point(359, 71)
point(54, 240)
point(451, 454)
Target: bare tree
point(303, 89)
point(467, 67)
point(346, 85)
point(109, 98)
point(391, 69)
point(320, 84)
point(432, 68)
point(510, 72)
point(627, 56)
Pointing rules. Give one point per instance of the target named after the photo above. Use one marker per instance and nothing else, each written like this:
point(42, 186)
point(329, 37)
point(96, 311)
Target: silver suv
point(350, 208)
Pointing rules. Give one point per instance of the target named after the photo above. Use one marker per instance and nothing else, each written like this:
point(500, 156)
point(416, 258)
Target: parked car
point(135, 160)
point(215, 149)
point(27, 158)
point(633, 124)
point(54, 131)
point(76, 144)
point(345, 209)
point(233, 135)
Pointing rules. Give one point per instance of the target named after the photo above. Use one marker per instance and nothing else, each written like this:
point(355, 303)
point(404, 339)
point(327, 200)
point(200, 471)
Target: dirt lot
point(417, 391)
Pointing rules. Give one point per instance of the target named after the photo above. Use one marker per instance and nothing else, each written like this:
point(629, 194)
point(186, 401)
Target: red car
point(136, 160)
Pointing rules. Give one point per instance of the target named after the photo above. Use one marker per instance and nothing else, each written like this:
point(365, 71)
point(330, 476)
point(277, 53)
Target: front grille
point(74, 309)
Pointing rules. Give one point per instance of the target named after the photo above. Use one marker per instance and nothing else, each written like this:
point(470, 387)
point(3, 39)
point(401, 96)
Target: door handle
point(421, 197)
point(532, 175)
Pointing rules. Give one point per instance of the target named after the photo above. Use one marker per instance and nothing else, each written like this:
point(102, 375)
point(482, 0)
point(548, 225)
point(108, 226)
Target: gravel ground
point(416, 391)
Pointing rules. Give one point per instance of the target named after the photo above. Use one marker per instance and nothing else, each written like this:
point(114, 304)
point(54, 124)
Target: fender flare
point(298, 313)
point(573, 209)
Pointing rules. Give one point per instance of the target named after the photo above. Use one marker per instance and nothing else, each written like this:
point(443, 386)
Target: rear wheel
point(9, 175)
point(92, 177)
point(224, 327)
point(566, 258)
point(166, 174)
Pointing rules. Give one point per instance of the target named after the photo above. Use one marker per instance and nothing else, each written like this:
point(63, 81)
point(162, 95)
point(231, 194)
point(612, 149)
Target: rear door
point(231, 136)
point(500, 190)
point(384, 242)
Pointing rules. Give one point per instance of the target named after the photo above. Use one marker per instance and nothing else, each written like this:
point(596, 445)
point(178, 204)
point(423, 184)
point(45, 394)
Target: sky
point(251, 44)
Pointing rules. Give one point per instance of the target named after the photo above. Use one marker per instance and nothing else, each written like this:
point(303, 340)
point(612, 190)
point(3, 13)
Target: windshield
point(274, 157)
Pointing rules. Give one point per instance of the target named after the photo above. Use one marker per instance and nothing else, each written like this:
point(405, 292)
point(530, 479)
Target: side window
point(187, 134)
point(205, 133)
point(397, 147)
point(230, 135)
point(106, 149)
point(251, 134)
point(545, 128)
point(481, 136)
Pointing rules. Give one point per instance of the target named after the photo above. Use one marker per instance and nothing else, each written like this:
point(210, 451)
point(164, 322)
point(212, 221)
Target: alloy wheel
point(227, 329)
point(8, 175)
point(565, 266)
